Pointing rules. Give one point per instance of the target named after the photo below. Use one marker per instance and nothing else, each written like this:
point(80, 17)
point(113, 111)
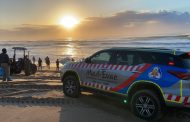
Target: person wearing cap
point(5, 64)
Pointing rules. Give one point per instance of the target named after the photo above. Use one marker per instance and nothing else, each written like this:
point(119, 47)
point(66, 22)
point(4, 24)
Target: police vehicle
point(149, 79)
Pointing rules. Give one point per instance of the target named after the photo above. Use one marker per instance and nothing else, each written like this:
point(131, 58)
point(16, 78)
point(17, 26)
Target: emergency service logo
point(155, 73)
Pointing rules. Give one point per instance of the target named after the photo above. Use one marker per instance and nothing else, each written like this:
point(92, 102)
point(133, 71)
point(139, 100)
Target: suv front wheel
point(146, 105)
point(71, 86)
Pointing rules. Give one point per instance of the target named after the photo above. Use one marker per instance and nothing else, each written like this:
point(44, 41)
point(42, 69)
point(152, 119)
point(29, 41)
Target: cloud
point(123, 24)
point(33, 32)
point(131, 23)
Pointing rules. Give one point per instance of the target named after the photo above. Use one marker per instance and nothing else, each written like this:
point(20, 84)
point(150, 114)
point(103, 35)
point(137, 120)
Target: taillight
point(180, 75)
point(171, 63)
point(188, 53)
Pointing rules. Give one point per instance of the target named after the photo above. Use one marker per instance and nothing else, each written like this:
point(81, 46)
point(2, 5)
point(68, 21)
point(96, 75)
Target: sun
point(69, 22)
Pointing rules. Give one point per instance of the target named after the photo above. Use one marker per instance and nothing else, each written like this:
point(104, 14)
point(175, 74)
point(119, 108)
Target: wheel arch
point(140, 85)
point(70, 72)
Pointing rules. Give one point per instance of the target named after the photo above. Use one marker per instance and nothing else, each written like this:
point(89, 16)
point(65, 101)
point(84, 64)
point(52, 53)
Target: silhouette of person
point(5, 64)
point(47, 60)
point(39, 63)
point(57, 64)
point(33, 60)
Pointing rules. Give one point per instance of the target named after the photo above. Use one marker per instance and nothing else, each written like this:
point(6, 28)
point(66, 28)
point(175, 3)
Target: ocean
point(59, 49)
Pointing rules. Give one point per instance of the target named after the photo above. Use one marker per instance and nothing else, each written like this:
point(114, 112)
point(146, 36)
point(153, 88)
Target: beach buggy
point(148, 79)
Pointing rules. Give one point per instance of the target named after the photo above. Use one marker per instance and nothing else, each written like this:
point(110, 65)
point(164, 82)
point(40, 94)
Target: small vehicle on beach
point(22, 64)
point(148, 79)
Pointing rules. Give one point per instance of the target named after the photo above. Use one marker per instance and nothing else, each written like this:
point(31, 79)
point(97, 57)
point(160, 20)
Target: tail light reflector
point(188, 53)
point(171, 63)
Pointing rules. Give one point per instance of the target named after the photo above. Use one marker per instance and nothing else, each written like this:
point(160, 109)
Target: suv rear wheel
point(146, 105)
point(71, 86)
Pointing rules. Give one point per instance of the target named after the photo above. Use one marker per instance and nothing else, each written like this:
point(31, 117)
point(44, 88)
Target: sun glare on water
point(69, 22)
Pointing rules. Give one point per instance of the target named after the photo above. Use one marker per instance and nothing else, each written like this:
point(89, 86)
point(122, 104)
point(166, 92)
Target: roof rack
point(141, 48)
point(19, 48)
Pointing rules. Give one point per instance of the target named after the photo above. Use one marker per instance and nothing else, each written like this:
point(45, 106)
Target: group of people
point(5, 64)
point(47, 61)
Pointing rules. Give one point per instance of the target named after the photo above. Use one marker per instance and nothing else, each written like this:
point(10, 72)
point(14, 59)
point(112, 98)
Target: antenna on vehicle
point(174, 52)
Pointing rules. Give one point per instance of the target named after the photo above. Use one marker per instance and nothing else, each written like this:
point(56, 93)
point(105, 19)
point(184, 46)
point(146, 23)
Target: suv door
point(96, 73)
point(128, 65)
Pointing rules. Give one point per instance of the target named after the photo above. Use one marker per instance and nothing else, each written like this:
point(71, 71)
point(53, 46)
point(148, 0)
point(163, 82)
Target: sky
point(39, 19)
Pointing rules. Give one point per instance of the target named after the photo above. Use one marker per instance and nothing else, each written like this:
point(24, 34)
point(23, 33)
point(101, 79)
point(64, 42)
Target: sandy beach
point(39, 98)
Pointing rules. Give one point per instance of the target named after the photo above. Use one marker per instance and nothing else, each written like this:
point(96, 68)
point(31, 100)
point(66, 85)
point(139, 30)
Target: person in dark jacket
point(39, 64)
point(57, 64)
point(47, 60)
point(33, 60)
point(5, 64)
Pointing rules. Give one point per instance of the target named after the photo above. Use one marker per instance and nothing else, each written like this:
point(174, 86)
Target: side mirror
point(87, 60)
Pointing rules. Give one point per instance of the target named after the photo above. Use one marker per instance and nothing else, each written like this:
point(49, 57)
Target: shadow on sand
point(96, 108)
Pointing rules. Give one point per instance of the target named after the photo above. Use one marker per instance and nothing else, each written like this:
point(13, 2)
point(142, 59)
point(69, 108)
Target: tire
point(146, 105)
point(33, 69)
point(71, 86)
point(18, 70)
point(18, 67)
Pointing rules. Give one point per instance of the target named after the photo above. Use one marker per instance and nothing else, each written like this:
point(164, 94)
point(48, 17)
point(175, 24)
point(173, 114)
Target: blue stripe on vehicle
point(166, 79)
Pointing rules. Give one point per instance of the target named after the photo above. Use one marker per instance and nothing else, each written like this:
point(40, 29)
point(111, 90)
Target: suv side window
point(147, 57)
point(127, 58)
point(155, 58)
point(101, 58)
point(159, 58)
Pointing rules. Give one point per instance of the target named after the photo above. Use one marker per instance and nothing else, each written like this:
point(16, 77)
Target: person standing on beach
point(33, 60)
point(39, 64)
point(57, 64)
point(48, 63)
point(27, 67)
point(47, 60)
point(5, 64)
